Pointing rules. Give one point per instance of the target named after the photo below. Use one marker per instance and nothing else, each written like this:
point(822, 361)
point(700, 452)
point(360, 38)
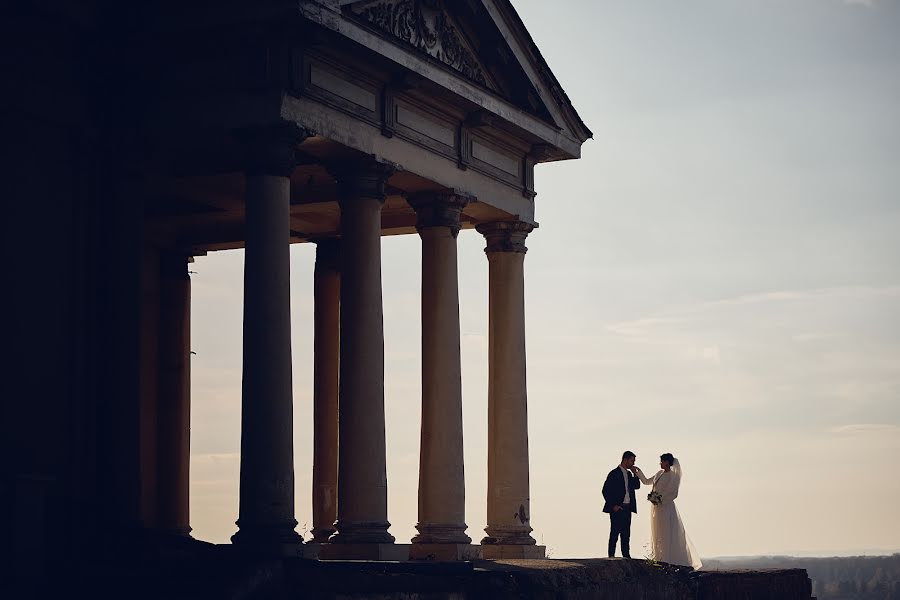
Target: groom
point(618, 493)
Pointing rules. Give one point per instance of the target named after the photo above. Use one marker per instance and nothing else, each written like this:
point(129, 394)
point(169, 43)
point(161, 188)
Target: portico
point(376, 131)
point(334, 123)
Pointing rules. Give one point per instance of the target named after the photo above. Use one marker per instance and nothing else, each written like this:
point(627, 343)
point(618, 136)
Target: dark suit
point(620, 521)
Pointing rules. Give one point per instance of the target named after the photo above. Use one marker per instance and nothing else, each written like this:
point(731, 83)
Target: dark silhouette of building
point(139, 135)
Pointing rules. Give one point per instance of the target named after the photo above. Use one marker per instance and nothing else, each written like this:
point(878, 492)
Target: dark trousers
point(620, 526)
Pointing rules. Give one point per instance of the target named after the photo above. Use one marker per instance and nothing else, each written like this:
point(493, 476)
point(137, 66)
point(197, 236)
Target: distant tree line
point(835, 578)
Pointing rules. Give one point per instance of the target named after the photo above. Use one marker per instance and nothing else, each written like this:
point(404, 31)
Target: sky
point(718, 277)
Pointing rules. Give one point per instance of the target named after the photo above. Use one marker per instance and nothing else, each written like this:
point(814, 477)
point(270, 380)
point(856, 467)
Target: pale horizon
point(717, 277)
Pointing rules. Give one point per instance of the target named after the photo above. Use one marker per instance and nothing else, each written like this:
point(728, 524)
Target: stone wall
point(549, 580)
point(750, 585)
point(199, 570)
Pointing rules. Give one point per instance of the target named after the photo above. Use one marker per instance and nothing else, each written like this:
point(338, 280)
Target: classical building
point(145, 134)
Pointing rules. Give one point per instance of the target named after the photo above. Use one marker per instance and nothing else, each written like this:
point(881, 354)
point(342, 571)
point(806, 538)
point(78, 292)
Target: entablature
point(454, 122)
point(416, 111)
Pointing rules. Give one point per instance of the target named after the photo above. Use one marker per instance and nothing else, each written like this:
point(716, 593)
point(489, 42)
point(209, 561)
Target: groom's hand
point(617, 508)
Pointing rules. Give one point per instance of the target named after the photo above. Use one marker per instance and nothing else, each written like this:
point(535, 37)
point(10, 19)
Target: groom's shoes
point(626, 556)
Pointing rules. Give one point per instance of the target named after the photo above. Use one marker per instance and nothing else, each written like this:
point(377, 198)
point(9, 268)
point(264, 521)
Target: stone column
point(327, 295)
point(442, 496)
point(362, 522)
point(508, 511)
point(266, 522)
point(174, 403)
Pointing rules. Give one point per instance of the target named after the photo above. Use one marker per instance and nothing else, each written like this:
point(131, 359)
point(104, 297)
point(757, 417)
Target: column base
point(355, 532)
point(435, 533)
point(321, 534)
point(269, 542)
point(503, 551)
point(512, 535)
point(444, 552)
point(392, 552)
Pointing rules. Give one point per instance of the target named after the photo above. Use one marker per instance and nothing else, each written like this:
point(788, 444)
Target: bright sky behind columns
point(718, 277)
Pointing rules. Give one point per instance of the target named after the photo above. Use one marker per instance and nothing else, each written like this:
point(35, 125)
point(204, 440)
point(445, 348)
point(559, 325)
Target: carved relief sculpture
point(426, 25)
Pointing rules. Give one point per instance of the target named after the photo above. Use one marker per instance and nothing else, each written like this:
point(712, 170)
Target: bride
point(669, 542)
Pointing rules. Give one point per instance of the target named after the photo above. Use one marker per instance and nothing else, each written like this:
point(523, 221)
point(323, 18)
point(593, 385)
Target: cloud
point(652, 324)
point(859, 429)
point(215, 458)
point(813, 336)
point(215, 472)
point(850, 291)
point(641, 326)
point(711, 354)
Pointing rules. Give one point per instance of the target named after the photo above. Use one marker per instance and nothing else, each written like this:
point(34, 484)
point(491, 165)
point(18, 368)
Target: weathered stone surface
point(581, 579)
point(445, 552)
point(196, 570)
point(513, 551)
point(364, 552)
point(749, 585)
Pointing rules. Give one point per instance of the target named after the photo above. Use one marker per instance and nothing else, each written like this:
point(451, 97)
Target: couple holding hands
point(668, 541)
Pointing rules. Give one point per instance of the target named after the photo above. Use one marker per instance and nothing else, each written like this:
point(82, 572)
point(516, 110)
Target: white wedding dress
point(668, 541)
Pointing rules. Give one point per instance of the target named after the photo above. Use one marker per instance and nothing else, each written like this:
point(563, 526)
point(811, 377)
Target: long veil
point(678, 472)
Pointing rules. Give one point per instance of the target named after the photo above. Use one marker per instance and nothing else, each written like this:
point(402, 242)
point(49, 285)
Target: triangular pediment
point(485, 41)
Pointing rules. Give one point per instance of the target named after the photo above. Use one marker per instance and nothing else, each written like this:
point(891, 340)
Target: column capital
point(438, 209)
point(505, 236)
point(364, 178)
point(271, 149)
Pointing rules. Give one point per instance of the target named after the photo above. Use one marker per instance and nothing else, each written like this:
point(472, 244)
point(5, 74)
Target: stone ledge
point(444, 552)
point(312, 550)
point(510, 551)
point(394, 552)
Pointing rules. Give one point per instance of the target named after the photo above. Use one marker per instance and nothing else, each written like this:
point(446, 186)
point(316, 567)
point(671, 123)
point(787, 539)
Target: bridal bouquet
point(654, 497)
